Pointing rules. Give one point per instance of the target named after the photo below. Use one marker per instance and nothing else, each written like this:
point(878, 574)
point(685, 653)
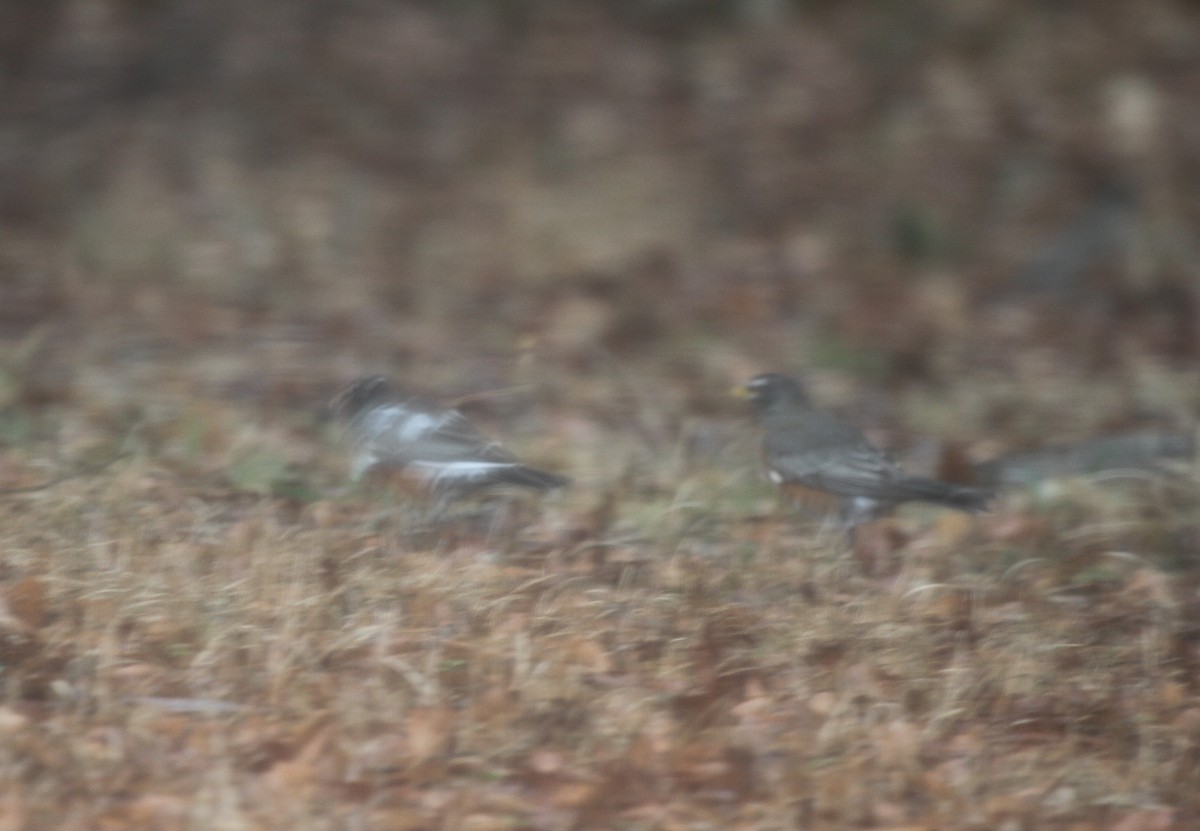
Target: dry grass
point(180, 652)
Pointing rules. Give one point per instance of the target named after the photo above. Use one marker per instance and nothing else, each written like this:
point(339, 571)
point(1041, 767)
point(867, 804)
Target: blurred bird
point(811, 453)
point(436, 446)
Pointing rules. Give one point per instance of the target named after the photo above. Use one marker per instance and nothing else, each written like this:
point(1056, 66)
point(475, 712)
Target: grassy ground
point(212, 631)
point(970, 225)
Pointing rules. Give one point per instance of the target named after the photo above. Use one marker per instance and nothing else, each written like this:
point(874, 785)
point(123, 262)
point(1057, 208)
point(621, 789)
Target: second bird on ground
point(805, 448)
point(436, 446)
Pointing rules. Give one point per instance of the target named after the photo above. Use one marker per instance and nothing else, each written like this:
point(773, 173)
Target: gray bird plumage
point(806, 446)
point(433, 444)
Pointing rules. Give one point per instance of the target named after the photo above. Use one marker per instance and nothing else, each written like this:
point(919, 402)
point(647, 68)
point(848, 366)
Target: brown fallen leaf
point(429, 733)
point(158, 811)
point(1148, 819)
point(546, 762)
point(574, 794)
point(1151, 586)
point(296, 778)
point(27, 601)
point(12, 721)
point(14, 813)
point(485, 822)
point(954, 528)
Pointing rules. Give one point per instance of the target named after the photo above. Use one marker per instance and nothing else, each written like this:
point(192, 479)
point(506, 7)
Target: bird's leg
point(501, 528)
point(857, 510)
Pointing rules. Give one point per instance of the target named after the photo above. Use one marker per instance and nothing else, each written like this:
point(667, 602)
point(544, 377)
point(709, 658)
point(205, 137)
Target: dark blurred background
point(921, 193)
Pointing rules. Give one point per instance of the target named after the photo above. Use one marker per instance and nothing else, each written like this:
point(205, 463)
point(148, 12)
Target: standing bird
point(806, 449)
point(437, 446)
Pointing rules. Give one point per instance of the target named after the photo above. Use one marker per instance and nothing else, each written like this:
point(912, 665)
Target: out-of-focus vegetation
point(970, 224)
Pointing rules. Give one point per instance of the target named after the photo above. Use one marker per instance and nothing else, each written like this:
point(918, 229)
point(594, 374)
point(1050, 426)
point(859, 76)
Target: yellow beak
point(740, 391)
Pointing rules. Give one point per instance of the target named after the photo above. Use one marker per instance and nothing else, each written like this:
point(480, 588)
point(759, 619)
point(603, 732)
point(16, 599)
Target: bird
point(806, 450)
point(437, 446)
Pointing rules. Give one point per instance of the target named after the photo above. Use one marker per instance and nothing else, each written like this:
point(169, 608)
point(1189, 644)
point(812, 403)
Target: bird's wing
point(404, 432)
point(849, 471)
point(456, 438)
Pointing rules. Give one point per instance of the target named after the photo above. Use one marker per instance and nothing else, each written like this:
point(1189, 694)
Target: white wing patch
point(466, 470)
point(418, 426)
point(864, 505)
point(403, 423)
point(377, 421)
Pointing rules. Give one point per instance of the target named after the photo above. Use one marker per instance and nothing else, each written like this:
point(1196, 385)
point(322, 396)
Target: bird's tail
point(961, 497)
point(529, 477)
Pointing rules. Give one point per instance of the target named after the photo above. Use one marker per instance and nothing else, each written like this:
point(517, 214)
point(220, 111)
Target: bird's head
point(358, 395)
point(770, 389)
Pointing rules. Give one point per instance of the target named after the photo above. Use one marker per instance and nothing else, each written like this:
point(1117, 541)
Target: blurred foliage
point(258, 471)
